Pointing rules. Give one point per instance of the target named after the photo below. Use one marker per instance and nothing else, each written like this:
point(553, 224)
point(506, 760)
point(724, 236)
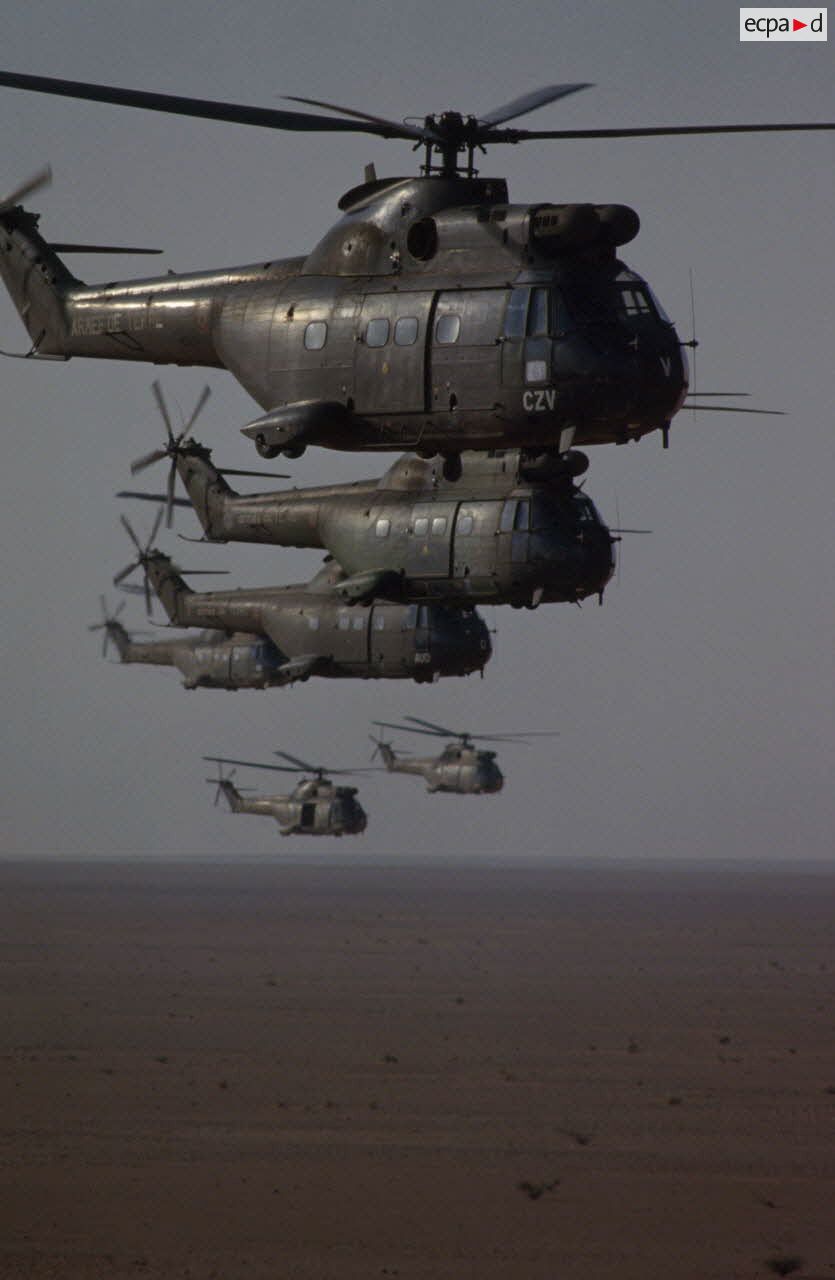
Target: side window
point(382, 528)
point(359, 622)
point(515, 317)
point(447, 330)
point(379, 621)
point(464, 525)
point(409, 618)
point(377, 332)
point(508, 513)
point(522, 515)
point(423, 615)
point(313, 621)
point(405, 331)
point(421, 526)
point(344, 622)
point(538, 313)
point(438, 526)
point(315, 335)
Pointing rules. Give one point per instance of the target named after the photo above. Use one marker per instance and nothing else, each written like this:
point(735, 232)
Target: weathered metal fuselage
point(213, 660)
point(316, 807)
point(459, 770)
point(506, 532)
point(315, 633)
point(433, 316)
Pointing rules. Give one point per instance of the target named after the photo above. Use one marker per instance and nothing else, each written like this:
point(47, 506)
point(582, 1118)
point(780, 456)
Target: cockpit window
point(535, 312)
point(635, 302)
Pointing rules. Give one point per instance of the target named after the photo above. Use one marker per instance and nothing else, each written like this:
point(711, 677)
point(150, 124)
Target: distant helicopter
point(316, 807)
point(508, 531)
point(461, 768)
point(210, 660)
point(435, 316)
point(313, 632)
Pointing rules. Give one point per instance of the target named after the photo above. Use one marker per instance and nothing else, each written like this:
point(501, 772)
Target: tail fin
point(35, 276)
point(169, 587)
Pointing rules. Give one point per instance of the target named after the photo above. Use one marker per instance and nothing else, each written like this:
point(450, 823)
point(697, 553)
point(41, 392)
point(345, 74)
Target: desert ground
point(339, 1071)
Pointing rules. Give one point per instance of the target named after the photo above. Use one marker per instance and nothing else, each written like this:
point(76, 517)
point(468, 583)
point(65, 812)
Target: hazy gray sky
point(696, 707)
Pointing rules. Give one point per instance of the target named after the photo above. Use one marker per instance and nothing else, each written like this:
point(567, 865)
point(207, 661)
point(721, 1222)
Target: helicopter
point(507, 532)
point(316, 806)
point(210, 660)
point(311, 631)
point(434, 317)
point(461, 768)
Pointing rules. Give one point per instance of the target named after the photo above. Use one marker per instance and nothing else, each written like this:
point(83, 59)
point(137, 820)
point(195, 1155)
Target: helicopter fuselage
point(434, 316)
point(506, 532)
point(458, 770)
point(316, 807)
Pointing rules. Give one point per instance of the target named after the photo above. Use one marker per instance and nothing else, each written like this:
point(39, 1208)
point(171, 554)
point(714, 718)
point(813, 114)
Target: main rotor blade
point(408, 728)
point(266, 475)
point(403, 130)
point(437, 727)
point(252, 764)
point(301, 764)
point(530, 101)
point(527, 135)
point(734, 408)
point(231, 112)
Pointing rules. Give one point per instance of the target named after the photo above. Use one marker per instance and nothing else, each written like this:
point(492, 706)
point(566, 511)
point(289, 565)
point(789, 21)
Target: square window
point(359, 622)
point(464, 526)
point(536, 371)
point(315, 335)
point(421, 526)
point(382, 528)
point(438, 526)
point(377, 332)
point(406, 331)
point(447, 330)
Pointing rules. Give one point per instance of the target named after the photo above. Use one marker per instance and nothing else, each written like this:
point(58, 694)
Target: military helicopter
point(509, 531)
point(316, 806)
point(435, 316)
point(307, 629)
point(210, 660)
point(461, 768)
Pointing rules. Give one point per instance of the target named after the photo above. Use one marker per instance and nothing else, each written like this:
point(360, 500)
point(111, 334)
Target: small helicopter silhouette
point(461, 768)
point(316, 806)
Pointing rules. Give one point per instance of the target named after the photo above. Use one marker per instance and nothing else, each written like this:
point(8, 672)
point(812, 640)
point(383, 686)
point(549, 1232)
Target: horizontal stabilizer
point(100, 248)
point(152, 497)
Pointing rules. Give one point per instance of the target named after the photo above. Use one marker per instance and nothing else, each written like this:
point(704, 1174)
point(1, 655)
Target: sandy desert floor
point(345, 1071)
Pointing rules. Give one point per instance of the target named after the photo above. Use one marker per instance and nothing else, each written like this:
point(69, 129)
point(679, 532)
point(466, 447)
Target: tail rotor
point(107, 621)
point(173, 448)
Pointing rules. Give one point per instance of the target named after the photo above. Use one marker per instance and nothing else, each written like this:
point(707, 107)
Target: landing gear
point(273, 450)
point(266, 450)
point(452, 468)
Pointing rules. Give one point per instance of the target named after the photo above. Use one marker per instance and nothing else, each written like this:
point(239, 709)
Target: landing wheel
point(296, 451)
point(266, 450)
point(452, 468)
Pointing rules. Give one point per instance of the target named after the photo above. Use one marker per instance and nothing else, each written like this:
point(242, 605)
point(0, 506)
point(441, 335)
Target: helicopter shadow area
point(356, 1071)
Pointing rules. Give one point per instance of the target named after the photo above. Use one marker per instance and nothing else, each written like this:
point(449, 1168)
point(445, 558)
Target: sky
point(695, 709)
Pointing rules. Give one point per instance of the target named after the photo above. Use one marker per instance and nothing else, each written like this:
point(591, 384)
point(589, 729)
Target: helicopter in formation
point(508, 532)
point(316, 806)
point(434, 317)
point(307, 629)
point(461, 768)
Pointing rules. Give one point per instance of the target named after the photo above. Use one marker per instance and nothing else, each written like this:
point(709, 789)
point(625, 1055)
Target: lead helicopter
point(461, 768)
point(307, 630)
point(435, 316)
point(316, 807)
point(507, 532)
